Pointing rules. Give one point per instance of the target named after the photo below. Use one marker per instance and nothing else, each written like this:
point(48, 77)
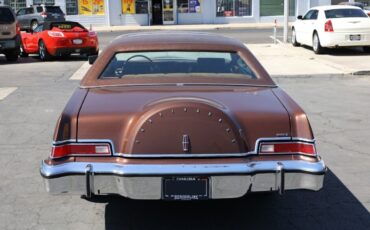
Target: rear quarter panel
point(299, 124)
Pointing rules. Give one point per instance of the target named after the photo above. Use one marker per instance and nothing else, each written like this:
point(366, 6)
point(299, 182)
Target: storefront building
point(166, 12)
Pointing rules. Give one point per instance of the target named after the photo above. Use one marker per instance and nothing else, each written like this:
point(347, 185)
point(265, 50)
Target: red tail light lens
point(18, 28)
point(80, 149)
point(329, 26)
point(287, 148)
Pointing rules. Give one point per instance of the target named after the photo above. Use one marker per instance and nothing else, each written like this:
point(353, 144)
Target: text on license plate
point(77, 41)
point(185, 188)
point(356, 37)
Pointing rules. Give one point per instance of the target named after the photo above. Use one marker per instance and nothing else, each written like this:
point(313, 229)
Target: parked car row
point(47, 39)
point(331, 27)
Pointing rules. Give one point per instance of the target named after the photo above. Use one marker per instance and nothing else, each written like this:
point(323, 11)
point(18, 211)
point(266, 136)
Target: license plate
point(77, 41)
point(185, 188)
point(356, 37)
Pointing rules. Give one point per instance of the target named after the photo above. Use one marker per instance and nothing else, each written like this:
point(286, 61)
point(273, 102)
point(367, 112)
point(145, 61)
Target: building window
point(91, 7)
point(16, 4)
point(275, 7)
point(44, 2)
point(231, 8)
point(128, 6)
point(141, 6)
point(189, 6)
point(71, 7)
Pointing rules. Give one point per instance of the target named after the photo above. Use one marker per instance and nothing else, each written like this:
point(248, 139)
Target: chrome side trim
point(178, 85)
point(205, 155)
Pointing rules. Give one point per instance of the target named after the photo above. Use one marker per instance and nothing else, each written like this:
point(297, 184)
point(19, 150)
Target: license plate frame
point(355, 37)
point(77, 41)
point(185, 188)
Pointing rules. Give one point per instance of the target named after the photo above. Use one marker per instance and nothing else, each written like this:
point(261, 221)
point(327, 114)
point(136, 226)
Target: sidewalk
point(286, 60)
point(186, 27)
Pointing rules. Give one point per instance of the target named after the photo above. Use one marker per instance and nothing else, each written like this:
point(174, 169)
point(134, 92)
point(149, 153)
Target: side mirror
point(299, 17)
point(92, 59)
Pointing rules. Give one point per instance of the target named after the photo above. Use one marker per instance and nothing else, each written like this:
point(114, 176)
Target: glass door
point(168, 12)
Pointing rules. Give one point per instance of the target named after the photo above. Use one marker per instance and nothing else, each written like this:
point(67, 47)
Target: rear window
point(345, 13)
point(170, 63)
point(65, 26)
point(53, 9)
point(6, 16)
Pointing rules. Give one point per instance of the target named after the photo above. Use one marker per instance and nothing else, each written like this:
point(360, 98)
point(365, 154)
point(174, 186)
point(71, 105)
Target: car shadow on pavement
point(36, 59)
point(342, 51)
point(334, 207)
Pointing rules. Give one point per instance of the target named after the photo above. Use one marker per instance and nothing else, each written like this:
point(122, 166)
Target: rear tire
point(23, 52)
point(366, 49)
point(12, 55)
point(294, 38)
point(43, 52)
point(316, 45)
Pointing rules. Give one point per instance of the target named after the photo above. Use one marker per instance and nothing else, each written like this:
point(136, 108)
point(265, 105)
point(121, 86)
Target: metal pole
point(275, 24)
point(286, 20)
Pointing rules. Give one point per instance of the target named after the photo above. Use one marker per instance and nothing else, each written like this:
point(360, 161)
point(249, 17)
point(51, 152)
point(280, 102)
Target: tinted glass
point(39, 9)
point(66, 25)
point(53, 9)
point(6, 16)
point(170, 63)
point(29, 11)
point(345, 13)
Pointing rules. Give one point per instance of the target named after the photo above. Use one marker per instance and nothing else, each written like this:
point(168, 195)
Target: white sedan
point(332, 26)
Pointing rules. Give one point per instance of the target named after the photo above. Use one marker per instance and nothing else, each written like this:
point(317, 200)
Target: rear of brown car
point(9, 34)
point(161, 139)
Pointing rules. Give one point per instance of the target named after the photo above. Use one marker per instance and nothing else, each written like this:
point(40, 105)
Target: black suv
point(30, 17)
point(10, 35)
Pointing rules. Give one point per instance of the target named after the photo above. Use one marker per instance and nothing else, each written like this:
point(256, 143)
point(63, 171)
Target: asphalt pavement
point(338, 106)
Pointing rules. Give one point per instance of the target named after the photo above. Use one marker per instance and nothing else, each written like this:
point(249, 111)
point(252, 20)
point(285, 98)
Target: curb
point(186, 27)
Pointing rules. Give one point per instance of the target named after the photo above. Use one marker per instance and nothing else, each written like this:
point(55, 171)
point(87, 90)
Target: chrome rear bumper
point(144, 181)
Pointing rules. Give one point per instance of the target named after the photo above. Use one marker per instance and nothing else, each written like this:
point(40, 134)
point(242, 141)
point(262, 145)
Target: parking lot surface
point(35, 93)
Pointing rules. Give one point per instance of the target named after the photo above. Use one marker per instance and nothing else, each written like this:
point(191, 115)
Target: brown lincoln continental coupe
point(180, 116)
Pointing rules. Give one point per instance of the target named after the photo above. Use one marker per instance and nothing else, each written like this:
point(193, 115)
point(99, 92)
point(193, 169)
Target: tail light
point(92, 34)
point(329, 26)
point(43, 14)
point(81, 149)
point(17, 28)
point(55, 34)
point(288, 148)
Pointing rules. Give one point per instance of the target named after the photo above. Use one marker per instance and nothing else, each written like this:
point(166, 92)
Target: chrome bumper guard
point(144, 181)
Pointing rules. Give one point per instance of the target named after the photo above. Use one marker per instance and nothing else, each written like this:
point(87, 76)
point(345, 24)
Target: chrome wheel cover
point(42, 51)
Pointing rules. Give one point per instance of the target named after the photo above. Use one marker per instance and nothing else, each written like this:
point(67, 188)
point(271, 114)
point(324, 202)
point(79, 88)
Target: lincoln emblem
point(185, 143)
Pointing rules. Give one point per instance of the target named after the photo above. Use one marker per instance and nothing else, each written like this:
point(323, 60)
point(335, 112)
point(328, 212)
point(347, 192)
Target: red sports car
point(59, 39)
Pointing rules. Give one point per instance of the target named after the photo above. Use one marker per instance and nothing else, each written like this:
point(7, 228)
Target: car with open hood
point(180, 116)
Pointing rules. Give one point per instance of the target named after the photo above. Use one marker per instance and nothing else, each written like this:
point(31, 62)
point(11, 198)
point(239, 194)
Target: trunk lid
point(186, 120)
point(351, 25)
